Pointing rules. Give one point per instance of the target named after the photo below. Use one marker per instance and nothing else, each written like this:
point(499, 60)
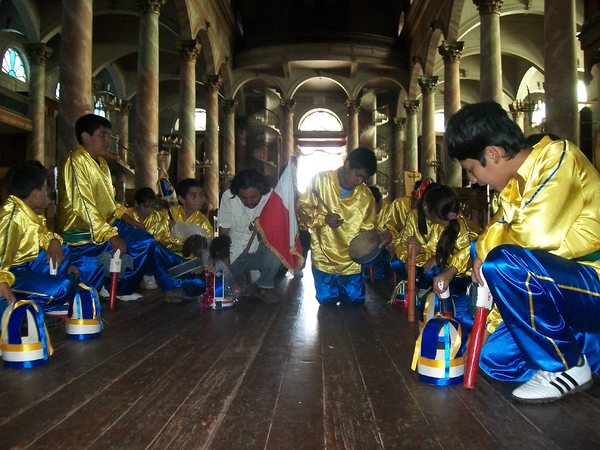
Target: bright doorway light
point(314, 159)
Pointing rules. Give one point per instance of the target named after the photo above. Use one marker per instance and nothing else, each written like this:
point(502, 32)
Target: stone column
point(211, 146)
point(186, 156)
point(560, 69)
point(518, 117)
point(451, 52)
point(411, 155)
point(38, 53)
point(491, 63)
point(123, 131)
point(75, 71)
point(229, 108)
point(146, 152)
point(241, 147)
point(353, 132)
point(288, 107)
point(428, 154)
point(398, 158)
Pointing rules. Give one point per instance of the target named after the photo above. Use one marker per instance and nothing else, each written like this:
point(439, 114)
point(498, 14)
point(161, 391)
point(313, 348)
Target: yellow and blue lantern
point(83, 321)
point(25, 342)
point(438, 356)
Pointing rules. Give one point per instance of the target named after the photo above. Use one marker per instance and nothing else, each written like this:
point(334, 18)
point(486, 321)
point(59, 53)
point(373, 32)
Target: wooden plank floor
point(287, 376)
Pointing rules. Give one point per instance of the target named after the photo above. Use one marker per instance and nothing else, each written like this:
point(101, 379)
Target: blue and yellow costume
point(89, 217)
point(24, 239)
point(459, 258)
point(541, 260)
point(337, 277)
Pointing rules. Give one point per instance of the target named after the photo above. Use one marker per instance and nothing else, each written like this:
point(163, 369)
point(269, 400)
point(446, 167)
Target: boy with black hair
point(192, 200)
point(27, 248)
point(541, 255)
point(149, 211)
point(339, 206)
point(91, 223)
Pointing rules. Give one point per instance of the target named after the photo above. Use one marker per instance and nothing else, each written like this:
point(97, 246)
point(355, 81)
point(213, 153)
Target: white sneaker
point(104, 293)
point(550, 386)
point(150, 282)
point(129, 297)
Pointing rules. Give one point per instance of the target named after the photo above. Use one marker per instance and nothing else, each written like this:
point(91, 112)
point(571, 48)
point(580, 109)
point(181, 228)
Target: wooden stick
point(411, 291)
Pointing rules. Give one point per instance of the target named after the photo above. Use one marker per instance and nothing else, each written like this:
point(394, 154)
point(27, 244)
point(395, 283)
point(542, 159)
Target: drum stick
point(411, 282)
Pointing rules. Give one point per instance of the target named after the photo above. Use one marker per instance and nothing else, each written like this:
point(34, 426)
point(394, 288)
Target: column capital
point(125, 106)
point(289, 105)
point(353, 105)
point(150, 6)
point(400, 122)
point(451, 51)
point(229, 106)
point(189, 49)
point(488, 6)
point(38, 53)
point(213, 83)
point(411, 106)
point(427, 84)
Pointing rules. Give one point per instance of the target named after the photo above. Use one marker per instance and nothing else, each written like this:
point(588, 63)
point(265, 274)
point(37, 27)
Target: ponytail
point(442, 203)
point(447, 242)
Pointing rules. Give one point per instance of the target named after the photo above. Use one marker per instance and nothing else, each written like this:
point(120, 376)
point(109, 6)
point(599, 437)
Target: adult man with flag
point(240, 205)
point(277, 224)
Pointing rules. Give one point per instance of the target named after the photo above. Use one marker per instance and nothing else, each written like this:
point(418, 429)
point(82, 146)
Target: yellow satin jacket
point(87, 205)
point(559, 209)
point(329, 246)
point(23, 233)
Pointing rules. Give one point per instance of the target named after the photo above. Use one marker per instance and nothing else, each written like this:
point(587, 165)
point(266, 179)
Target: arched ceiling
point(282, 44)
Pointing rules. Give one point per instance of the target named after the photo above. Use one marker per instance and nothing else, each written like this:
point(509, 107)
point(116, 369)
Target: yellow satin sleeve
point(23, 233)
point(86, 198)
point(558, 208)
point(329, 246)
point(196, 218)
point(382, 215)
point(396, 216)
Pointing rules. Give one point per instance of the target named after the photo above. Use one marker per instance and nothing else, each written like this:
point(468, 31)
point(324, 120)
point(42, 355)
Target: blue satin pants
point(149, 256)
point(332, 288)
point(33, 281)
point(545, 301)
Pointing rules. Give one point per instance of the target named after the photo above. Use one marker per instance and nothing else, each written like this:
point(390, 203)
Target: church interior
point(205, 88)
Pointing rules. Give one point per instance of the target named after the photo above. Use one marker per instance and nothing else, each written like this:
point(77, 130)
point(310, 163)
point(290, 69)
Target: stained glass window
point(12, 64)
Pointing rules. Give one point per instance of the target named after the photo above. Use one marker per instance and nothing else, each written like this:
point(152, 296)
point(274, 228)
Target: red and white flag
point(277, 223)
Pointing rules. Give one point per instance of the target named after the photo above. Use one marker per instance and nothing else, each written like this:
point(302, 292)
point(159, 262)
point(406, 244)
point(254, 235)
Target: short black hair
point(90, 123)
point(249, 178)
point(145, 194)
point(479, 125)
point(363, 158)
point(184, 186)
point(21, 180)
